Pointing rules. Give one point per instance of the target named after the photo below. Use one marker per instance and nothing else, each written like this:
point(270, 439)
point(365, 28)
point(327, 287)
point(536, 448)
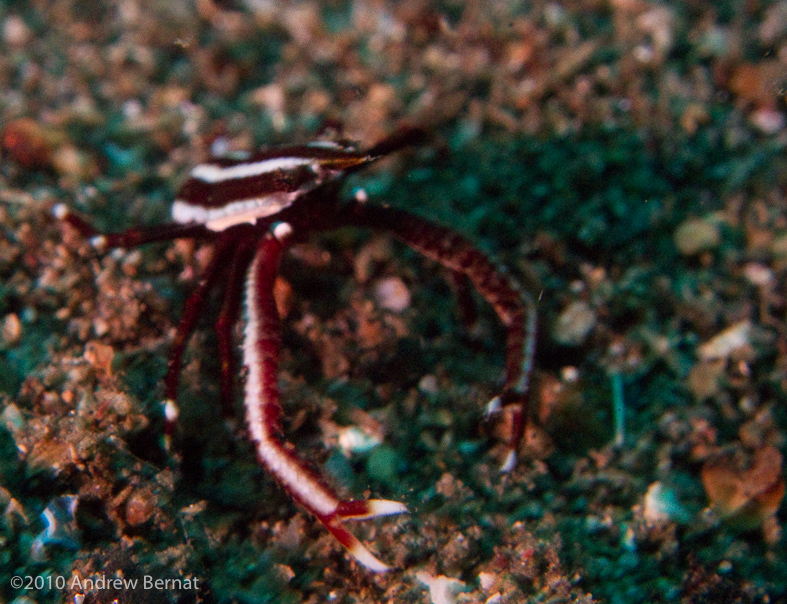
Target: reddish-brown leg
point(467, 309)
point(195, 304)
point(261, 348)
point(131, 237)
point(228, 316)
point(405, 136)
point(514, 306)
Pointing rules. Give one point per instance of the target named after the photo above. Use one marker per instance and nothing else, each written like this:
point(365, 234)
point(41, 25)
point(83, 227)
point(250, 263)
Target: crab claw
point(492, 407)
point(359, 510)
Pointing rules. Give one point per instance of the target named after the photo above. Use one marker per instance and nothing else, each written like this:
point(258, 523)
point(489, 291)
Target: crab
point(253, 209)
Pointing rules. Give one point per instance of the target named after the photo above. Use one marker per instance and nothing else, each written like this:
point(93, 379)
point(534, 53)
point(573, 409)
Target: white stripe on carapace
point(291, 475)
point(212, 173)
point(236, 212)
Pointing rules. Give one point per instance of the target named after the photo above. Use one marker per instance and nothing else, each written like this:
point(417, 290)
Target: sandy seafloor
point(624, 159)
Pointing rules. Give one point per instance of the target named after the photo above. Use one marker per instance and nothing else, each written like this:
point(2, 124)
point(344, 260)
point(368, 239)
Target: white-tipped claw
point(171, 410)
point(380, 507)
point(364, 556)
point(509, 462)
point(360, 510)
point(493, 407)
point(282, 231)
point(171, 413)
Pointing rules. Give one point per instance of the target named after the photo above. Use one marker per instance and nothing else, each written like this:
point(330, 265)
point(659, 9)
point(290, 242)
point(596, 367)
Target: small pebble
point(758, 274)
point(428, 384)
point(662, 505)
point(12, 419)
point(392, 294)
point(696, 235)
point(283, 572)
point(11, 329)
point(722, 345)
point(745, 496)
point(67, 160)
point(442, 589)
point(704, 379)
point(15, 31)
point(381, 464)
point(355, 440)
point(140, 507)
point(487, 580)
point(575, 324)
point(767, 121)
point(100, 357)
point(27, 142)
point(60, 527)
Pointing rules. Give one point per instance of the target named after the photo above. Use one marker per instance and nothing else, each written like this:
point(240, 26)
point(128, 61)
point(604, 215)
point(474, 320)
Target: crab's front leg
point(131, 237)
point(134, 237)
point(261, 346)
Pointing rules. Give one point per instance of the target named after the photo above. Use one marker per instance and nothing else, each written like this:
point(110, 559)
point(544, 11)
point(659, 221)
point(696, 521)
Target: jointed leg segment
point(514, 307)
point(228, 316)
point(132, 237)
point(261, 346)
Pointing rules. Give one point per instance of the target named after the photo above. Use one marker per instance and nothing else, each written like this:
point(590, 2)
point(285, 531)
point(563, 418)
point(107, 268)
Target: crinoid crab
point(253, 209)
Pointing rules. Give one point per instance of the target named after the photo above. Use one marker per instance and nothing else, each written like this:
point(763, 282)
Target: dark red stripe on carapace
point(217, 195)
point(325, 164)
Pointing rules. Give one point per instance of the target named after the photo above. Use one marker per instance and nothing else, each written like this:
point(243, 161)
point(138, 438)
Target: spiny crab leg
point(261, 347)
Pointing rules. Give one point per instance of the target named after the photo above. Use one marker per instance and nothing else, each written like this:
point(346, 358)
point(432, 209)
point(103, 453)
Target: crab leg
point(194, 304)
point(228, 316)
point(467, 308)
point(193, 308)
point(130, 237)
point(261, 346)
point(513, 306)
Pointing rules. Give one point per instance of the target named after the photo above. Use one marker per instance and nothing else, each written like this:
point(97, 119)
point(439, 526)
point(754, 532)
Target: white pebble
point(392, 294)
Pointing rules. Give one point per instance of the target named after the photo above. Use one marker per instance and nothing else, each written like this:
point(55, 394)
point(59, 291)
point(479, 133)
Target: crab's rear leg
point(467, 308)
point(513, 306)
point(261, 347)
point(228, 316)
point(195, 304)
